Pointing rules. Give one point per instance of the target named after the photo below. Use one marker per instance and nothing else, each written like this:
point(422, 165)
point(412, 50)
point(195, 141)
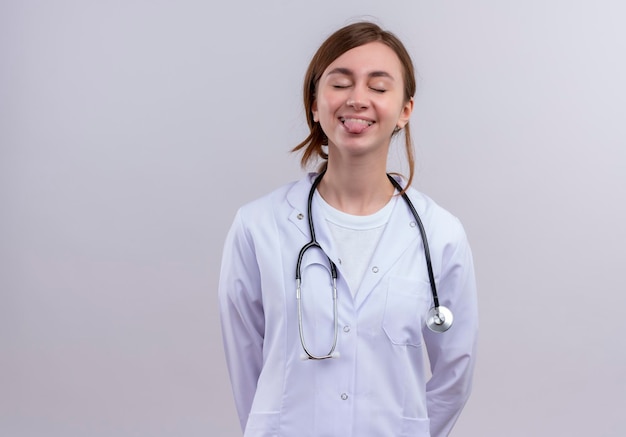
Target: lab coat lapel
point(399, 234)
point(297, 198)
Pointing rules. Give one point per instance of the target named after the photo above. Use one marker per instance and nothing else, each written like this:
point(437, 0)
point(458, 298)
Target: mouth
point(355, 125)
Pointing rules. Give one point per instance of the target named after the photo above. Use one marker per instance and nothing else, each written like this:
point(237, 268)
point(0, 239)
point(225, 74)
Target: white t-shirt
point(355, 236)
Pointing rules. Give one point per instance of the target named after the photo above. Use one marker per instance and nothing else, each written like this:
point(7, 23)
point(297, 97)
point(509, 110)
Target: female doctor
point(325, 290)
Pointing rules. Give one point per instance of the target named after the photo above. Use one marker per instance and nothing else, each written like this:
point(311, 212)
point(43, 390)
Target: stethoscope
point(439, 317)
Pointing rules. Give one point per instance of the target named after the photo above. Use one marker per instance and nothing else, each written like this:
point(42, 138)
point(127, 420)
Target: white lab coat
point(379, 385)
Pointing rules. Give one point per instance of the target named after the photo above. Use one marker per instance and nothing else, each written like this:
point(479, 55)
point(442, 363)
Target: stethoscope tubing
point(420, 225)
point(333, 273)
point(313, 242)
point(439, 317)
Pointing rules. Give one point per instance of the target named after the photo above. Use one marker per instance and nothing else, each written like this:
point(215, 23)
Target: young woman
point(348, 300)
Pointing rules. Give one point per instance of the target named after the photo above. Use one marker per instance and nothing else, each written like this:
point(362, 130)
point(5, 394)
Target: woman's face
point(360, 99)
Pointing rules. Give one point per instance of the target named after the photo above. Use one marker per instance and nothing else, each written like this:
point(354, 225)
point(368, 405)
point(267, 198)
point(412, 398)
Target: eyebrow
point(348, 72)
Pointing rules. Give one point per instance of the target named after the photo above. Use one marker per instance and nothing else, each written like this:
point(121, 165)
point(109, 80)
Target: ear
point(314, 111)
point(405, 114)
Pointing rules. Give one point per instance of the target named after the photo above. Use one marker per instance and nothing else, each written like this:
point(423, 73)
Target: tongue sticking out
point(355, 126)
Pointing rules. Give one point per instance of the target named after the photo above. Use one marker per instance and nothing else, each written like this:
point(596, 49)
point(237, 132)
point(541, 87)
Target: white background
point(130, 131)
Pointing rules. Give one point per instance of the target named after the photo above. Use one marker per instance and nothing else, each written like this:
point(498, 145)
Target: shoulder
point(441, 225)
point(424, 205)
point(275, 205)
point(289, 193)
point(431, 210)
point(266, 203)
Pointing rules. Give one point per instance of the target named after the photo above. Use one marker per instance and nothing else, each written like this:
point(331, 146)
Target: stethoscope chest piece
point(439, 319)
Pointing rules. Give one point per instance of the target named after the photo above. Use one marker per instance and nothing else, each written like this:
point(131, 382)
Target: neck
point(358, 189)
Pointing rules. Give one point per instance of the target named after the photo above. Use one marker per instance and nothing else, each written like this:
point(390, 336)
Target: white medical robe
point(380, 384)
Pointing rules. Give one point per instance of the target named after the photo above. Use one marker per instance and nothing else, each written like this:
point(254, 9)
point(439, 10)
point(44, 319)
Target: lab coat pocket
point(412, 427)
point(262, 424)
point(405, 308)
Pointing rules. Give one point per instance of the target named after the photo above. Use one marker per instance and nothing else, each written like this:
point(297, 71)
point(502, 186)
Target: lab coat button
point(375, 269)
point(344, 396)
point(346, 328)
point(300, 216)
point(412, 224)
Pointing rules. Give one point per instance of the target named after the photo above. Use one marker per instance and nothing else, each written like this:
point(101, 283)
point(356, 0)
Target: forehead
point(370, 57)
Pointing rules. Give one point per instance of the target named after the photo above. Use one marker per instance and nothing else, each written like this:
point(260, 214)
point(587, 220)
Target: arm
point(241, 316)
point(452, 353)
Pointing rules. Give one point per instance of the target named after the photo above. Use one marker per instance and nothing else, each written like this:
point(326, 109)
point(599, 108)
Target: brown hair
point(344, 39)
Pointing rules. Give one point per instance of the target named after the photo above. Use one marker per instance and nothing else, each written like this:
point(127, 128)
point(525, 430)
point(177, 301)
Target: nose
point(357, 99)
point(356, 104)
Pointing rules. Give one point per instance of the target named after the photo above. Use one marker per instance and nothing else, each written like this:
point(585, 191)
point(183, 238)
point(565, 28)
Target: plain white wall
point(130, 132)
